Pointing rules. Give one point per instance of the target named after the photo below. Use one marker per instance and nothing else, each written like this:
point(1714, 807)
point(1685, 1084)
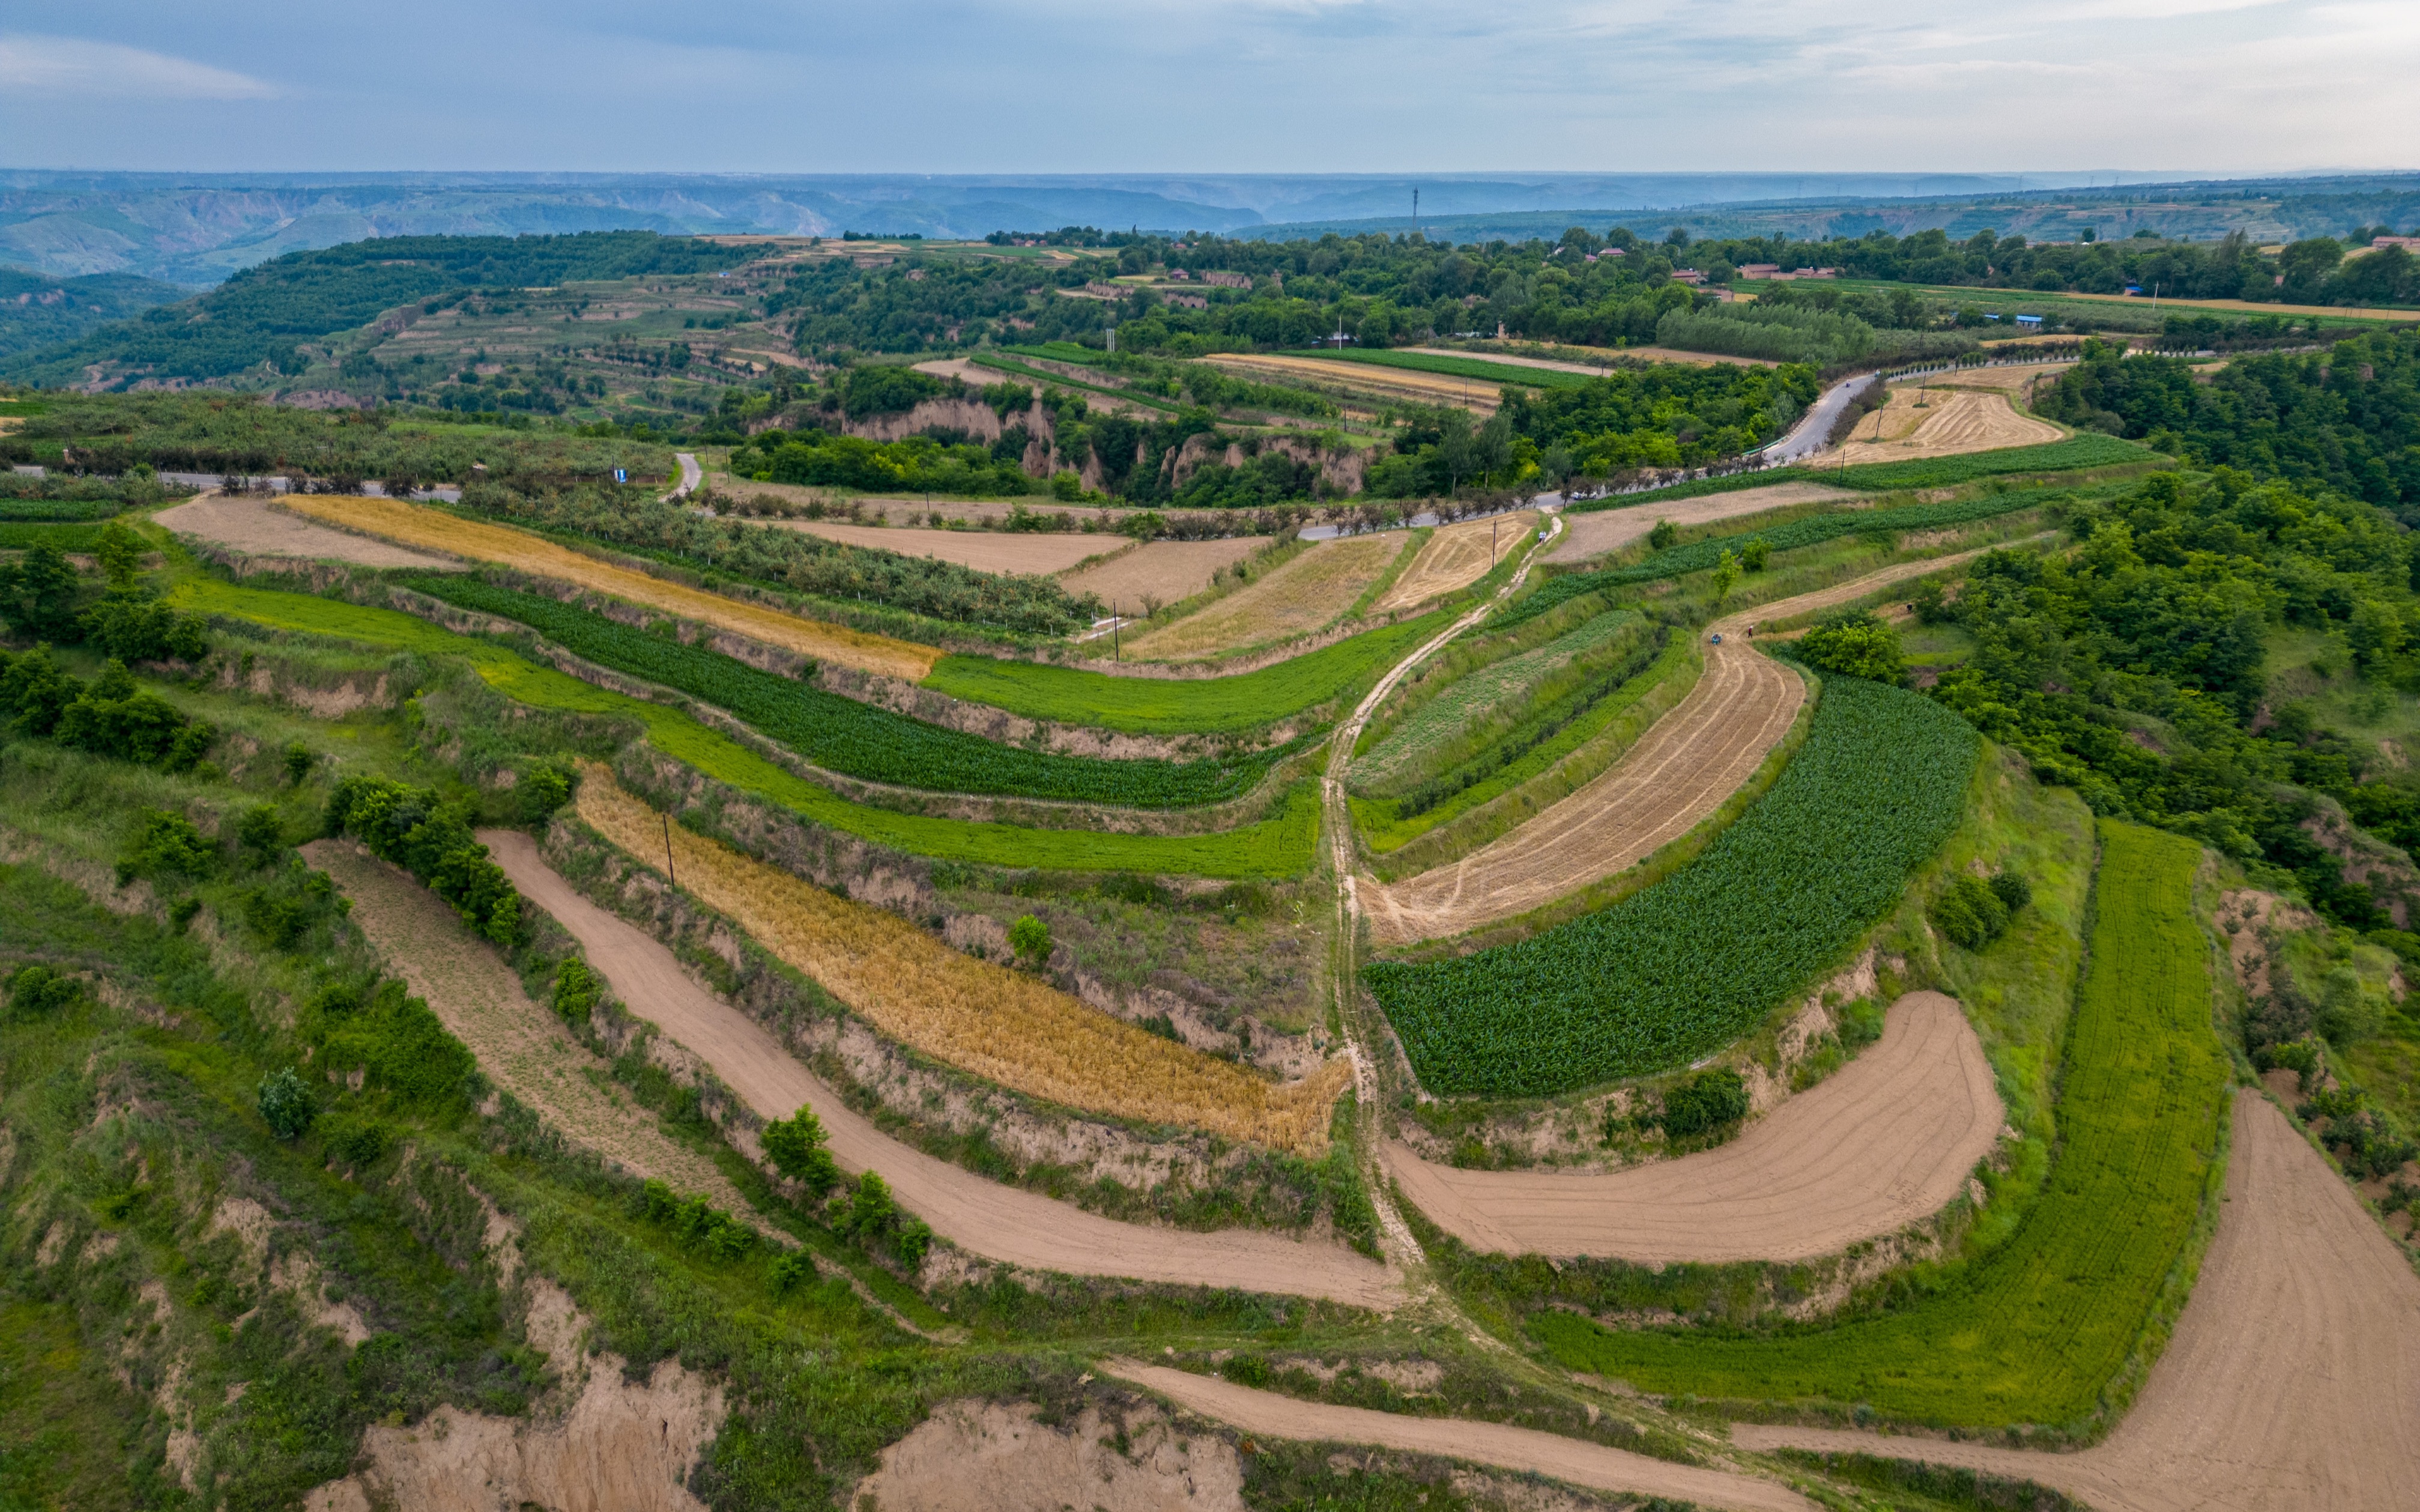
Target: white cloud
point(72, 67)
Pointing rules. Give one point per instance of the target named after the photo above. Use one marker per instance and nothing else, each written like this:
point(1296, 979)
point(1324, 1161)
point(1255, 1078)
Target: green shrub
point(576, 990)
point(286, 1105)
point(542, 791)
point(299, 761)
point(1663, 536)
point(1030, 937)
point(261, 832)
point(1705, 1103)
point(358, 1142)
point(1974, 912)
point(1856, 644)
point(166, 845)
point(795, 1145)
point(433, 842)
point(34, 990)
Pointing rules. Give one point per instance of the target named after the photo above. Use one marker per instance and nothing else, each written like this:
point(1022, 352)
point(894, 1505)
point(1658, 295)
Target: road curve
point(984, 1218)
point(690, 475)
point(1888, 1139)
point(2293, 1381)
point(1679, 772)
point(1526, 1451)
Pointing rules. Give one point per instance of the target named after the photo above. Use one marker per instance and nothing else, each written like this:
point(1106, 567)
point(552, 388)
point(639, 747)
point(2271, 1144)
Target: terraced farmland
point(842, 734)
point(2035, 1331)
point(1683, 968)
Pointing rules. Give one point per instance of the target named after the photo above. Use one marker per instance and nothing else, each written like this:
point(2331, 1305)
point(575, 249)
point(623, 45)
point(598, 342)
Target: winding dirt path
point(1886, 1140)
point(1269, 1415)
point(2293, 1378)
point(1677, 774)
point(521, 1046)
point(999, 1223)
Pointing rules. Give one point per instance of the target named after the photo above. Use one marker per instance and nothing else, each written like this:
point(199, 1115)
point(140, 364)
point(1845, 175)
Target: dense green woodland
point(38, 312)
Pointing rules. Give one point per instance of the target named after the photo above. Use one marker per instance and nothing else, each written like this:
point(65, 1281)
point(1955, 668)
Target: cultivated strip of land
point(999, 1223)
point(251, 526)
point(1888, 1139)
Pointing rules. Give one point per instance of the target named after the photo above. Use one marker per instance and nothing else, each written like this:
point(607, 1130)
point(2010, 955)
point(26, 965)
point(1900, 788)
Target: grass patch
point(2036, 1330)
point(24, 535)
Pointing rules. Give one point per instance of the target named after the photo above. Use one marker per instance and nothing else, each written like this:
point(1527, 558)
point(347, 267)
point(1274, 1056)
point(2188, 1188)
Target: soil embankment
point(1887, 1140)
point(984, 1218)
point(1527, 1450)
point(2292, 1380)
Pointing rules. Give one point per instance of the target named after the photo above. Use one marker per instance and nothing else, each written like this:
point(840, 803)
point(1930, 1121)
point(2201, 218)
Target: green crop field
point(2035, 1331)
point(1176, 705)
point(1476, 369)
point(1687, 965)
point(20, 536)
point(1805, 531)
point(1279, 846)
point(842, 734)
point(1410, 752)
point(2072, 454)
point(1389, 825)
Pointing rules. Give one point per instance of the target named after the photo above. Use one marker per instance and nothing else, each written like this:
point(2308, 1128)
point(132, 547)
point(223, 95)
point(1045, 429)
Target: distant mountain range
point(195, 229)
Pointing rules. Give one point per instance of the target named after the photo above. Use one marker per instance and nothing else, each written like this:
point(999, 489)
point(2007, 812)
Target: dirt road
point(250, 525)
point(2293, 1378)
point(1266, 1414)
point(1677, 774)
point(1609, 530)
point(1888, 1139)
point(984, 1218)
point(521, 1046)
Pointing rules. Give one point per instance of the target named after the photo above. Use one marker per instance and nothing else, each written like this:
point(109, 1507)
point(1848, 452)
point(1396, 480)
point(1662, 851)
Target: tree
point(795, 1146)
point(1030, 937)
point(119, 552)
point(576, 990)
point(1754, 555)
point(1856, 644)
point(261, 832)
point(1706, 1102)
point(38, 596)
point(1726, 574)
point(286, 1105)
point(299, 761)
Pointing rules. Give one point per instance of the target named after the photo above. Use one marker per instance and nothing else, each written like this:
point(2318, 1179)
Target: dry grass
point(395, 520)
point(1169, 571)
point(1305, 593)
point(990, 1020)
point(1458, 556)
point(1921, 421)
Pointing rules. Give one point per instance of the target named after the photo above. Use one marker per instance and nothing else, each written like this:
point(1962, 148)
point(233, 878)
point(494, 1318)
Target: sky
point(2189, 86)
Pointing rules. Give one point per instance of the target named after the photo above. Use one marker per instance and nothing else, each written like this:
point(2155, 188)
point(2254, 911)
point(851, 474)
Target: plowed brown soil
point(2292, 1382)
point(1677, 774)
point(1266, 1414)
point(521, 1046)
point(984, 550)
point(1950, 422)
point(250, 525)
point(996, 1222)
point(1169, 571)
point(1609, 530)
point(1457, 556)
point(1888, 1139)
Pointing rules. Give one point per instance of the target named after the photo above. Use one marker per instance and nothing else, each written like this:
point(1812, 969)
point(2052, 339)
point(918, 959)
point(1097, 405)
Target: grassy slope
point(2036, 1330)
point(1276, 847)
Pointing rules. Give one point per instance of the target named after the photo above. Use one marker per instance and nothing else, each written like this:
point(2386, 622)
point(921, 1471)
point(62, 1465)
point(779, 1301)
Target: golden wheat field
point(995, 1022)
point(414, 525)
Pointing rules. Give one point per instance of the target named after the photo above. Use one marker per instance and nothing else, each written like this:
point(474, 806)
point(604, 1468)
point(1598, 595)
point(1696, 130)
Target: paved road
point(692, 474)
point(1807, 437)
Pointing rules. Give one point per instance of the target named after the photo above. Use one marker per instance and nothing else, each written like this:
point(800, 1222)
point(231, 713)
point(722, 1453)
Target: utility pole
point(668, 852)
point(1114, 653)
point(1416, 210)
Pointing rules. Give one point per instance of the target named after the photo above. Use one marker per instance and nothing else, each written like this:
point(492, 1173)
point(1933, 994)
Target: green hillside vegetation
point(1185, 705)
point(2038, 1330)
point(53, 311)
point(844, 736)
point(1278, 846)
point(1688, 964)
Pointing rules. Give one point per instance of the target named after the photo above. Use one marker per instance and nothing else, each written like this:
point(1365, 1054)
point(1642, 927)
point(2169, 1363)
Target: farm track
point(984, 1218)
point(1526, 1451)
point(521, 1046)
point(1677, 775)
point(1888, 1139)
point(249, 525)
point(412, 525)
point(2292, 1380)
point(1456, 557)
point(1602, 531)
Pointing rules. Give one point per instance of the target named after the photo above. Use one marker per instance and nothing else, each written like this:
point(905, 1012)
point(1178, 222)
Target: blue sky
point(1270, 86)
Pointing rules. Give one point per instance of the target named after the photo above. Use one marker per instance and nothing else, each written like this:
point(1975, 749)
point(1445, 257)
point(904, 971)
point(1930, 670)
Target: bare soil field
point(1886, 1140)
point(1677, 774)
point(2012, 379)
point(974, 1456)
point(1169, 571)
point(1266, 1414)
point(1299, 597)
point(2292, 1380)
point(963, 370)
point(251, 525)
point(412, 525)
point(995, 1022)
point(1949, 422)
point(984, 550)
point(520, 1044)
point(1386, 382)
point(999, 1223)
point(1457, 556)
point(1609, 530)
